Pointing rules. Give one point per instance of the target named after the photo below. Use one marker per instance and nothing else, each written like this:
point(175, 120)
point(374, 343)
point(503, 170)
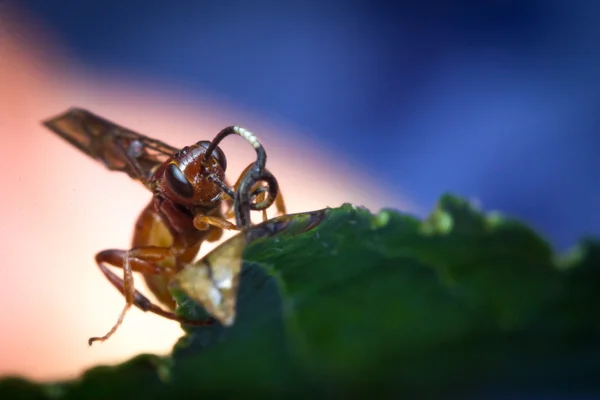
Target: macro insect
point(187, 206)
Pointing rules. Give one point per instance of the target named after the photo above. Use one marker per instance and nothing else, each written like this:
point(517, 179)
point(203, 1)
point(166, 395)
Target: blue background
point(496, 100)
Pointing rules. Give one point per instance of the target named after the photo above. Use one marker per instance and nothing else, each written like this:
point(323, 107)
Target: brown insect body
point(185, 210)
point(168, 221)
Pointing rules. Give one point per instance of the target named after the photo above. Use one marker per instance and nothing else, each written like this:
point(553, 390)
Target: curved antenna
point(243, 196)
point(272, 190)
point(261, 154)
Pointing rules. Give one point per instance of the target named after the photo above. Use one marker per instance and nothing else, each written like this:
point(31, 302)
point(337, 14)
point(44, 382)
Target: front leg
point(203, 222)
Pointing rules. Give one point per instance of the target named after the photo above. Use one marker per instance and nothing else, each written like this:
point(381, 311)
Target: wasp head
point(189, 179)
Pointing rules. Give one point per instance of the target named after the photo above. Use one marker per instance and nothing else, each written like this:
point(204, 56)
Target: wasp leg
point(142, 259)
point(279, 206)
point(202, 223)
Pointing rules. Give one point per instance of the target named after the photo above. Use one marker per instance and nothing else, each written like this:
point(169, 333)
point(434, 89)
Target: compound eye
point(217, 153)
point(177, 181)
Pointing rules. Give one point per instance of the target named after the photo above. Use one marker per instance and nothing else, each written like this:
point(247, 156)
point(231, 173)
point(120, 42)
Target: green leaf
point(460, 303)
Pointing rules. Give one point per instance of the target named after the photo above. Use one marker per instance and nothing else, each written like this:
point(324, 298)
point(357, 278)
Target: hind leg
point(144, 260)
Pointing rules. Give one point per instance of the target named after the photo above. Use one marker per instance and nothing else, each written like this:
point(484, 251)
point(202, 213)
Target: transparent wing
point(119, 148)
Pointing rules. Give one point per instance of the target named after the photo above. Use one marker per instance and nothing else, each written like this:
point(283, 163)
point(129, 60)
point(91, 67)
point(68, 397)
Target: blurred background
point(392, 104)
point(494, 100)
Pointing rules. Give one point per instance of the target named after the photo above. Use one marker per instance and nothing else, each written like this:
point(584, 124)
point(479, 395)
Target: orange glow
point(58, 208)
